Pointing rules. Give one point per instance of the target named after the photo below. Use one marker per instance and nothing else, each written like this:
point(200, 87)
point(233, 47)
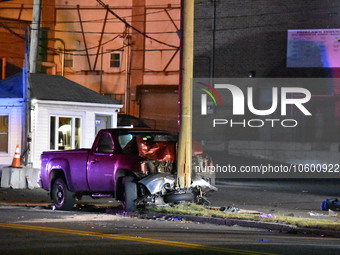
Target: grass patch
point(198, 210)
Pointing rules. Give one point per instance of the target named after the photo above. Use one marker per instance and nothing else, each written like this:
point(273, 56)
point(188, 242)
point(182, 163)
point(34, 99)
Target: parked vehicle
point(126, 120)
point(132, 165)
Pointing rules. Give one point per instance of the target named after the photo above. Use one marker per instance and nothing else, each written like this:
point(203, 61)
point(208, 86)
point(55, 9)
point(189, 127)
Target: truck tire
point(130, 194)
point(176, 197)
point(62, 197)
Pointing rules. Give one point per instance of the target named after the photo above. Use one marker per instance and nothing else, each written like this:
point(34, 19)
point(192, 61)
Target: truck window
point(124, 140)
point(130, 145)
point(105, 144)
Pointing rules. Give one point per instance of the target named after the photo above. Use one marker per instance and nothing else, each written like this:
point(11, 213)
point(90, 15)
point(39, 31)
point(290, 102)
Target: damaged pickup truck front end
point(159, 186)
point(161, 189)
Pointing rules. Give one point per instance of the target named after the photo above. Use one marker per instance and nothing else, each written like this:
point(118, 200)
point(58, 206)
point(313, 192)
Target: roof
point(11, 87)
point(53, 88)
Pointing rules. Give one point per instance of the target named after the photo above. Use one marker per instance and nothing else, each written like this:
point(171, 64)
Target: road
point(37, 230)
point(296, 197)
point(280, 197)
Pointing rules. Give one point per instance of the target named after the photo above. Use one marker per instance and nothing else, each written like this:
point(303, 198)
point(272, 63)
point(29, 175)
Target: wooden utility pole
point(185, 140)
point(33, 55)
point(137, 56)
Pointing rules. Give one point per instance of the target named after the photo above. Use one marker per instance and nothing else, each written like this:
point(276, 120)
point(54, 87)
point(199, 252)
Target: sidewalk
point(24, 197)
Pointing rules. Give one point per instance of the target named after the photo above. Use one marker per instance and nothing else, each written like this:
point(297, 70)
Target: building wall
point(75, 32)
point(233, 38)
point(12, 47)
point(144, 60)
point(87, 112)
point(13, 17)
point(14, 109)
point(292, 152)
point(252, 36)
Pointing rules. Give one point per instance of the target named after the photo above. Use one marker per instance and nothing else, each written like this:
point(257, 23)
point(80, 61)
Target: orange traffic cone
point(16, 159)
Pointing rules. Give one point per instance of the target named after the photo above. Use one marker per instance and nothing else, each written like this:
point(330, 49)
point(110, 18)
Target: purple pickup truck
point(131, 165)
point(136, 166)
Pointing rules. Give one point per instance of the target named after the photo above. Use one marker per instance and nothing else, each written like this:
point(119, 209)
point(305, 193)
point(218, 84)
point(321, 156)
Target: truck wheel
point(130, 194)
point(62, 197)
point(180, 197)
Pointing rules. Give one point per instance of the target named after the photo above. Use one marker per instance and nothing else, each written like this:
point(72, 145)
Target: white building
point(64, 115)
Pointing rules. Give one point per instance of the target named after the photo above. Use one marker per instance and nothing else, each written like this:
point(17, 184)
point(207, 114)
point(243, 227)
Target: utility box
point(19, 177)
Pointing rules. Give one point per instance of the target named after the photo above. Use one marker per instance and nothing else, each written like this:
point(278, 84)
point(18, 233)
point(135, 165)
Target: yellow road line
point(132, 238)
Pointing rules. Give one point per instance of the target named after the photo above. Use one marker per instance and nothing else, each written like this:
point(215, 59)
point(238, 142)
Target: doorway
point(102, 122)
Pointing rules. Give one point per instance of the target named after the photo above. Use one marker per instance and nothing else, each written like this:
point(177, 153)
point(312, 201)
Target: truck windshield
point(125, 139)
point(152, 146)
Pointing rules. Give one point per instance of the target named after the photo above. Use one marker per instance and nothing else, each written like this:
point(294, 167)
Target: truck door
point(101, 164)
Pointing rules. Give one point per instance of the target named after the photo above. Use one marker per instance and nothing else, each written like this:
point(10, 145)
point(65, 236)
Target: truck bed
point(63, 160)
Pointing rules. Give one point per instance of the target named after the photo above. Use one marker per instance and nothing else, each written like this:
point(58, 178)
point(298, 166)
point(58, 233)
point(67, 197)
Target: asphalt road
point(32, 227)
point(36, 230)
point(280, 197)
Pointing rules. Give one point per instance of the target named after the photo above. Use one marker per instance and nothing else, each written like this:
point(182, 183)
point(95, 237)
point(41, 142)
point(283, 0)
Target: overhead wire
point(90, 54)
point(68, 52)
point(134, 28)
point(113, 20)
point(118, 34)
point(105, 33)
point(11, 31)
point(306, 9)
point(90, 6)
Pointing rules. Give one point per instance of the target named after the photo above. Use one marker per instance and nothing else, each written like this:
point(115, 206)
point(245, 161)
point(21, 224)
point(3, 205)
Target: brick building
point(127, 50)
point(250, 39)
point(252, 36)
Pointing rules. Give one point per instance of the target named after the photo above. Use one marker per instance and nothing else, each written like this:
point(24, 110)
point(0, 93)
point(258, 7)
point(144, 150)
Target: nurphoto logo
point(280, 96)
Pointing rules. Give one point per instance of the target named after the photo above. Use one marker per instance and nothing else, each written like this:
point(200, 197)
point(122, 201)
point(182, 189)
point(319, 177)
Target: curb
point(281, 227)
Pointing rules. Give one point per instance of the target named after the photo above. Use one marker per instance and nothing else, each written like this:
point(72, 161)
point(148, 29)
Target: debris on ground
point(331, 213)
point(230, 209)
point(330, 204)
point(265, 216)
point(262, 240)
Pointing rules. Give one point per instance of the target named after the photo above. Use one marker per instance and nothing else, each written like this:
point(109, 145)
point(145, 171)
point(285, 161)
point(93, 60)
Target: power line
point(110, 33)
point(91, 6)
point(112, 20)
point(90, 54)
point(136, 29)
point(93, 32)
point(96, 47)
point(11, 31)
point(67, 53)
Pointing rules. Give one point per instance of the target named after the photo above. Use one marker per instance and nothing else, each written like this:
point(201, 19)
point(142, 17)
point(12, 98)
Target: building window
point(68, 60)
point(115, 60)
point(102, 122)
point(4, 134)
point(65, 133)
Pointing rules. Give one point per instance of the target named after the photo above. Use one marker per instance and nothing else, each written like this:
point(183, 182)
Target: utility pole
point(32, 59)
point(33, 55)
point(185, 140)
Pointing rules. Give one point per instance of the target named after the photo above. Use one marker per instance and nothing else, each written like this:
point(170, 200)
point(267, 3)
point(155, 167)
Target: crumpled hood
point(161, 151)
